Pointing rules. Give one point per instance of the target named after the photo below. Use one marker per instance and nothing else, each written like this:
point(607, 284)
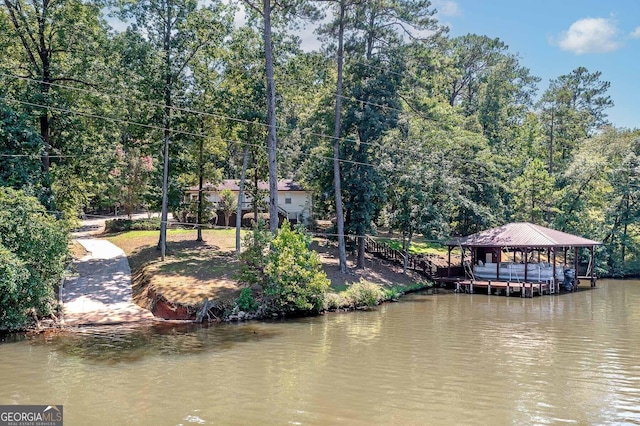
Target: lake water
point(429, 359)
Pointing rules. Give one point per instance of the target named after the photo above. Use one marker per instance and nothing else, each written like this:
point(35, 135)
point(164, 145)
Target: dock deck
point(507, 288)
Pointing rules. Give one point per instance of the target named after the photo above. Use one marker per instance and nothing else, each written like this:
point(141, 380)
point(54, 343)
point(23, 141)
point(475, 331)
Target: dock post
point(489, 288)
point(540, 289)
point(458, 287)
point(471, 287)
point(507, 293)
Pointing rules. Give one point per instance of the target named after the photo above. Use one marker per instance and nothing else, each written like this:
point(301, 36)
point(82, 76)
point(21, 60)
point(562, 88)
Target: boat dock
point(508, 288)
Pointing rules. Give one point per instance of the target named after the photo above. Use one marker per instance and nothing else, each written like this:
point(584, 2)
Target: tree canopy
point(392, 122)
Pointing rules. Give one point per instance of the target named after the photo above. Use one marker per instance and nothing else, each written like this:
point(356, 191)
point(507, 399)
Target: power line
point(222, 116)
point(150, 126)
point(200, 135)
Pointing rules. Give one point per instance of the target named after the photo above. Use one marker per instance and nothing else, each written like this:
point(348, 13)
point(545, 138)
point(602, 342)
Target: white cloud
point(635, 33)
point(590, 35)
point(447, 7)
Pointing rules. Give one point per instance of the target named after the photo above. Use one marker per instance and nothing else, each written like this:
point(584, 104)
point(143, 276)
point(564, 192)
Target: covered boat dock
point(521, 258)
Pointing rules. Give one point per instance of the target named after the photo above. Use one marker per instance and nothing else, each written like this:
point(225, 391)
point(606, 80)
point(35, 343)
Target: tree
point(58, 40)
point(472, 58)
point(573, 108)
point(375, 36)
point(179, 30)
point(33, 252)
point(288, 271)
point(22, 148)
point(265, 12)
point(131, 174)
point(363, 184)
point(533, 193)
point(227, 204)
point(53, 47)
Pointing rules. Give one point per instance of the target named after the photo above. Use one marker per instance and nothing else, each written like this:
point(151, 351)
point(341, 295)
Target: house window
point(287, 198)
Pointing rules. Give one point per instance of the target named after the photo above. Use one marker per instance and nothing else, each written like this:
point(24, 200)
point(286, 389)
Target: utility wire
point(396, 168)
point(224, 117)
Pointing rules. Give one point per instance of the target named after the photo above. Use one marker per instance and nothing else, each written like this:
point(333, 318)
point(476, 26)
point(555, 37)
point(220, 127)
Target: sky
point(554, 37)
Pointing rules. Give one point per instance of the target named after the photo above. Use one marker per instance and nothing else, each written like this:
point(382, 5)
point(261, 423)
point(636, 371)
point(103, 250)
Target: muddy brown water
point(430, 359)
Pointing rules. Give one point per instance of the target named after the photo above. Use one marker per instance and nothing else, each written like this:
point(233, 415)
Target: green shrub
point(392, 293)
point(254, 258)
point(288, 271)
point(246, 302)
point(364, 294)
point(121, 225)
point(33, 252)
point(333, 301)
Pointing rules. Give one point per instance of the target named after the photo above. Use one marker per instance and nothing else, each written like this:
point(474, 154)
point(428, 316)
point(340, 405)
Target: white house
point(294, 202)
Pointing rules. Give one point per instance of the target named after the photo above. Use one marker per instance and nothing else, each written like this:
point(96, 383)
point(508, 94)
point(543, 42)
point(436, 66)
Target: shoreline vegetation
point(208, 272)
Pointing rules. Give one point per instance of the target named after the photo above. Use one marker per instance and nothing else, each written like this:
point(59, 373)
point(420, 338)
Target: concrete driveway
point(100, 292)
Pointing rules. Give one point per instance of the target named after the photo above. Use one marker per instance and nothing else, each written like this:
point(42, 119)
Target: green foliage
point(15, 300)
point(121, 225)
point(289, 273)
point(33, 251)
point(18, 138)
point(333, 301)
point(131, 176)
point(364, 294)
point(188, 212)
point(227, 204)
point(253, 259)
point(246, 302)
point(533, 193)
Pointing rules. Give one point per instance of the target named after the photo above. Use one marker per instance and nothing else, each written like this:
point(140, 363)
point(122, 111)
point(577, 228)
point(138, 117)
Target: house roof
point(285, 185)
point(522, 234)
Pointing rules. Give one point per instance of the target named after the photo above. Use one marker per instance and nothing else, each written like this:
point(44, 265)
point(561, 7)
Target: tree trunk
point(167, 122)
point(336, 147)
point(245, 162)
point(271, 120)
point(548, 214)
point(551, 143)
point(200, 185)
point(624, 232)
point(361, 246)
point(255, 200)
point(406, 243)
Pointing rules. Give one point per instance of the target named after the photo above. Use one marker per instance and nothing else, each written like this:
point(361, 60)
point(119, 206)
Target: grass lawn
point(418, 246)
point(192, 270)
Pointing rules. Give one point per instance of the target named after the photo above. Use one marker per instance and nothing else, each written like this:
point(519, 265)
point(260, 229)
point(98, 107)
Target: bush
point(246, 301)
point(333, 301)
point(289, 273)
point(364, 294)
point(254, 258)
point(33, 252)
point(121, 225)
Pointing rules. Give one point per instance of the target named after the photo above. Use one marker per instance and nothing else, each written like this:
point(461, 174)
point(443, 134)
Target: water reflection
point(118, 344)
point(433, 359)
